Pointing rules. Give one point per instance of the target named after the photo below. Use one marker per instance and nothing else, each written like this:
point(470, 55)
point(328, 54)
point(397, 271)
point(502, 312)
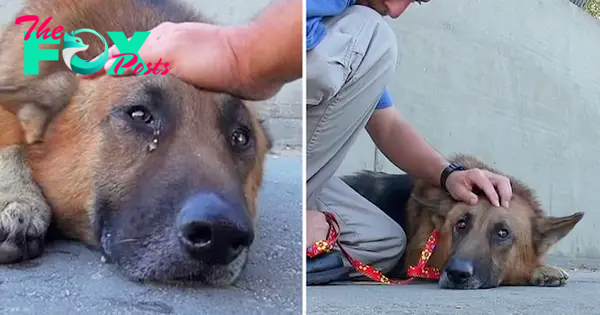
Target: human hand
point(200, 54)
point(162, 44)
point(317, 227)
point(497, 188)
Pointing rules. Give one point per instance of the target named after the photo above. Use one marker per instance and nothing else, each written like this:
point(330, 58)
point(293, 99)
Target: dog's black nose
point(459, 271)
point(214, 230)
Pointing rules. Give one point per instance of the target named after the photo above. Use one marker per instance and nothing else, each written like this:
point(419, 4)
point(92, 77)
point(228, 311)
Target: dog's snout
point(459, 271)
point(214, 230)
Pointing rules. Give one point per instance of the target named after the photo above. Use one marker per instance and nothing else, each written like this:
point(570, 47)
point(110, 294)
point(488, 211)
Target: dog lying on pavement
point(158, 175)
point(480, 246)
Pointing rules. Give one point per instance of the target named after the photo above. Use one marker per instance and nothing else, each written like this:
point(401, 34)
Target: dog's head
point(488, 246)
point(174, 174)
point(492, 246)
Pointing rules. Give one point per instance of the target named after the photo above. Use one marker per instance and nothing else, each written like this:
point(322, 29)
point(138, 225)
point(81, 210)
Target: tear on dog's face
point(491, 245)
point(175, 174)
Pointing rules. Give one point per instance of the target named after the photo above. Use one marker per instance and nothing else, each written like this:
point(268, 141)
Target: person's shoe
point(326, 268)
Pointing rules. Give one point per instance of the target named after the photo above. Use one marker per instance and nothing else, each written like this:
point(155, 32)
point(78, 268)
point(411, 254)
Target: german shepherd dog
point(160, 176)
point(480, 246)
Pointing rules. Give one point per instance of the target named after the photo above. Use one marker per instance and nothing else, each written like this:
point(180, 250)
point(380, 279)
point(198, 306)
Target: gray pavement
point(579, 296)
point(70, 279)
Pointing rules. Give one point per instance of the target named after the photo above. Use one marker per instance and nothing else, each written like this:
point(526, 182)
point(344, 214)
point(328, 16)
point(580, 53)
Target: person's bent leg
point(346, 75)
point(366, 232)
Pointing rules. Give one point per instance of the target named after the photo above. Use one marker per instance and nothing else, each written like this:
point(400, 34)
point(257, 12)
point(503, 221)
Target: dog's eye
point(239, 138)
point(503, 233)
point(461, 224)
point(140, 114)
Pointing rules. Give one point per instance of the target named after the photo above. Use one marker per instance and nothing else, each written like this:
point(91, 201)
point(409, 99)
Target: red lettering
point(57, 31)
point(149, 69)
point(166, 69)
point(156, 69)
point(28, 18)
point(138, 68)
point(44, 30)
point(131, 62)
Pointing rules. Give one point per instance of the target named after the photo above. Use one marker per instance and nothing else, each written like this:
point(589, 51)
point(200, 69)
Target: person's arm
point(257, 58)
point(270, 47)
point(408, 150)
point(403, 145)
point(252, 61)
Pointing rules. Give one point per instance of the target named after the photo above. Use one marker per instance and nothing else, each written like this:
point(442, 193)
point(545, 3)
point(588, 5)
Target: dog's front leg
point(549, 276)
point(24, 213)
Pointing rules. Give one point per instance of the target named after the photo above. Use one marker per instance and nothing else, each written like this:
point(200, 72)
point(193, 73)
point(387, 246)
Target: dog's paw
point(549, 276)
point(23, 225)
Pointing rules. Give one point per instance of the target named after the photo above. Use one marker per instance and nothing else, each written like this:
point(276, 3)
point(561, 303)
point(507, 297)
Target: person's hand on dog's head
point(496, 187)
point(251, 61)
point(212, 65)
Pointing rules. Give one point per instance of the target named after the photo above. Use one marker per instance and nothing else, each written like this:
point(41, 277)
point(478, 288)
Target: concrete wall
point(516, 83)
point(284, 110)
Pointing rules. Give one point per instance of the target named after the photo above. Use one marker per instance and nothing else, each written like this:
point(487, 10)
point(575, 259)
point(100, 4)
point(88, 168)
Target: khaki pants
point(346, 74)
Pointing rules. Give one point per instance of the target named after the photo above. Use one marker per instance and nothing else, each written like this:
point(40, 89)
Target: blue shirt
point(316, 10)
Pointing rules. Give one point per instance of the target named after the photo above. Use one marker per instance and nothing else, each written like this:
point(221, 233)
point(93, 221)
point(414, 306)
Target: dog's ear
point(433, 199)
point(549, 230)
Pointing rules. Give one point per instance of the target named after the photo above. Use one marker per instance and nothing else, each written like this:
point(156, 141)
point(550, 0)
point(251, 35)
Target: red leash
point(419, 271)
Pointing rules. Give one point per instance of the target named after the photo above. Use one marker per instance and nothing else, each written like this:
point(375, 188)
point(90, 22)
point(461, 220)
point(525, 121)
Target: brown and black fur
point(95, 169)
point(471, 236)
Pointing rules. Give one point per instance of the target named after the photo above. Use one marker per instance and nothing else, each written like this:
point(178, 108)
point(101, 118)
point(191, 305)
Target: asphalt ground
point(70, 279)
point(581, 295)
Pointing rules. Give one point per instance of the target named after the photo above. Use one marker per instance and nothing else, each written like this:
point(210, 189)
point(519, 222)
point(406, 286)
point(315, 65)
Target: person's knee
point(360, 46)
point(396, 243)
point(383, 38)
point(391, 240)
point(386, 255)
point(387, 41)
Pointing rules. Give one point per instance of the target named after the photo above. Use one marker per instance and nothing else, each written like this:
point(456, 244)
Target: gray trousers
point(346, 74)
